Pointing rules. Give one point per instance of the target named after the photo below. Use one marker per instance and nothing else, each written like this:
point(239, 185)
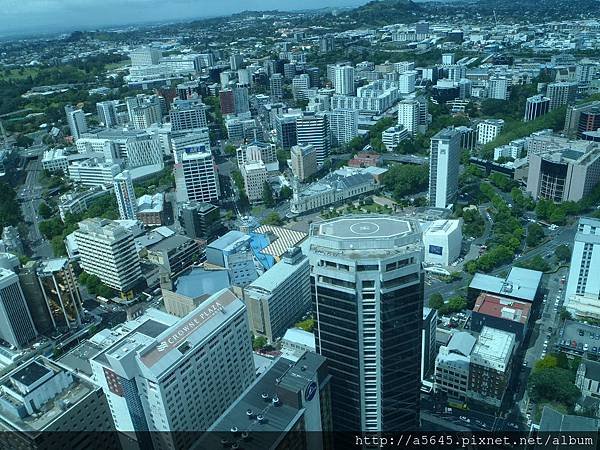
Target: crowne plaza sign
point(180, 332)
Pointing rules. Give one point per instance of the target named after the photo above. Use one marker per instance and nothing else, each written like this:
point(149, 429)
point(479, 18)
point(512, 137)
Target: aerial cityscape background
point(275, 225)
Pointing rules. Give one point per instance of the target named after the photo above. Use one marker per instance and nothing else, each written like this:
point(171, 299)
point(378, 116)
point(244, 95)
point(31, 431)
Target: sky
point(44, 16)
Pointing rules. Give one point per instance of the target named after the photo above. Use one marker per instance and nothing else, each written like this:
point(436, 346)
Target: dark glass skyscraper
point(367, 286)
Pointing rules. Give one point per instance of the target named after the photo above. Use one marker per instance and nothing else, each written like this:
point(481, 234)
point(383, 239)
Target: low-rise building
point(392, 137)
point(490, 370)
point(343, 184)
point(93, 172)
point(174, 253)
point(296, 342)
point(588, 381)
point(255, 176)
point(520, 284)
point(502, 314)
point(288, 400)
point(151, 209)
point(200, 220)
point(442, 240)
point(55, 160)
point(41, 403)
point(233, 252)
point(366, 159)
point(78, 202)
point(488, 130)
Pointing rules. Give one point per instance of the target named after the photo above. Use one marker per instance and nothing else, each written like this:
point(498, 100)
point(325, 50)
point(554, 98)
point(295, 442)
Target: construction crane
point(495, 18)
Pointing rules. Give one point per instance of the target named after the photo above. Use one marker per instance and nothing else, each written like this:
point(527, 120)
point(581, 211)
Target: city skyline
point(29, 16)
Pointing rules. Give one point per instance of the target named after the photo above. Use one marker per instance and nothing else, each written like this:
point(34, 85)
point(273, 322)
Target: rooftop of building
point(493, 348)
point(554, 421)
point(78, 359)
point(280, 239)
point(34, 374)
point(520, 283)
point(53, 265)
point(272, 278)
point(198, 282)
point(441, 227)
point(151, 203)
point(169, 243)
point(160, 344)
point(592, 369)
point(338, 180)
point(502, 308)
point(262, 399)
point(299, 336)
point(229, 240)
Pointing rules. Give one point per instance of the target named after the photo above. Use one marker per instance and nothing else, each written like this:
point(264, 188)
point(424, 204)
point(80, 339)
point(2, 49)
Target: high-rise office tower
point(188, 115)
point(285, 126)
point(107, 250)
point(144, 110)
point(536, 106)
point(276, 85)
point(107, 113)
point(344, 80)
point(314, 129)
point(582, 295)
point(76, 121)
point(200, 220)
point(304, 161)
point(326, 43)
point(241, 101)
point(236, 61)
point(125, 194)
point(227, 101)
point(16, 324)
point(178, 375)
point(343, 124)
point(367, 288)
point(561, 93)
point(444, 164)
point(196, 178)
point(61, 292)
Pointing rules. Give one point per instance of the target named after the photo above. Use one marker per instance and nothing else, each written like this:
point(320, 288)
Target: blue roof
point(259, 242)
point(199, 282)
point(227, 239)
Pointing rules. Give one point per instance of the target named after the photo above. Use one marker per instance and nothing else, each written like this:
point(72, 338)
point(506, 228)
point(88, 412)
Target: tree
point(436, 301)
point(535, 234)
point(23, 141)
point(563, 252)
point(306, 325)
point(406, 179)
point(547, 362)
point(272, 219)
point(565, 315)
point(285, 193)
point(267, 196)
point(553, 384)
point(456, 303)
point(258, 342)
point(44, 211)
point(230, 150)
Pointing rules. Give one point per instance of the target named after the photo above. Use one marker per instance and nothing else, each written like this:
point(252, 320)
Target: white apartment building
point(55, 160)
point(343, 124)
point(257, 151)
point(92, 172)
point(407, 81)
point(488, 130)
point(196, 177)
point(300, 86)
point(582, 294)
point(344, 80)
point(444, 164)
point(498, 88)
point(76, 121)
point(255, 176)
point(412, 115)
point(125, 194)
point(393, 136)
point(145, 56)
point(170, 375)
point(107, 250)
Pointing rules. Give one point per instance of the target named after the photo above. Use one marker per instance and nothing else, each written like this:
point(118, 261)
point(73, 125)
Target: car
point(465, 419)
point(524, 363)
point(574, 343)
point(580, 346)
point(549, 329)
point(581, 332)
point(595, 349)
point(585, 347)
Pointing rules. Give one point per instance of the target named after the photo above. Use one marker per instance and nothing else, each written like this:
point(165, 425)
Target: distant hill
point(383, 12)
